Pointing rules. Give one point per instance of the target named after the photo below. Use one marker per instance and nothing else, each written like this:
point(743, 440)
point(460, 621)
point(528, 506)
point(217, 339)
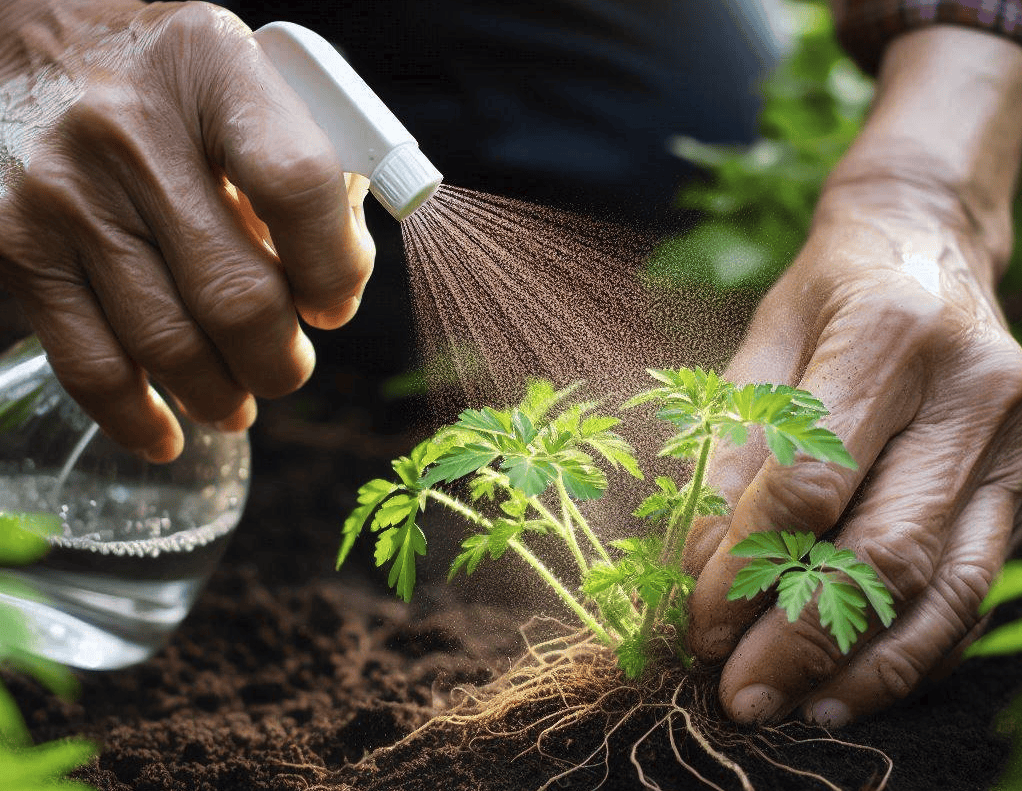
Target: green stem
point(459, 507)
point(678, 526)
point(565, 532)
point(560, 590)
point(587, 531)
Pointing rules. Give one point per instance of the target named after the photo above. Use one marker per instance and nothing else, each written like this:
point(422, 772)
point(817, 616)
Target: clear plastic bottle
point(137, 540)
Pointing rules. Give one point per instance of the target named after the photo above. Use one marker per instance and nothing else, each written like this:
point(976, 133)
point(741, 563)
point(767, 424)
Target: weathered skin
point(122, 126)
point(889, 316)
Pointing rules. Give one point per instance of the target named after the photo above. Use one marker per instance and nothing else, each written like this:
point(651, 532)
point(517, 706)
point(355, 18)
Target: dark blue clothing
point(560, 100)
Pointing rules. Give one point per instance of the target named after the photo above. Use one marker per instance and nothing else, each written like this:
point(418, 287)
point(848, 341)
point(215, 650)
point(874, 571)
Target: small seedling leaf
point(582, 481)
point(756, 577)
point(395, 510)
point(842, 610)
point(458, 462)
point(409, 541)
point(529, 475)
point(794, 590)
point(370, 495)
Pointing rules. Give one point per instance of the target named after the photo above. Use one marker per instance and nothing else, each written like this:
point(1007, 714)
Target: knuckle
point(963, 586)
point(819, 657)
point(301, 183)
point(807, 495)
point(239, 304)
point(194, 20)
point(899, 673)
point(96, 381)
point(905, 566)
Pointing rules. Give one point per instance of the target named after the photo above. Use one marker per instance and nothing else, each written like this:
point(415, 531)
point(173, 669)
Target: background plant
point(1006, 639)
point(526, 470)
point(24, 767)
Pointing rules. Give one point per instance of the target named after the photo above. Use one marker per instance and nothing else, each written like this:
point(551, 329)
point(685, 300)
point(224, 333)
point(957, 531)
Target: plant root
point(567, 705)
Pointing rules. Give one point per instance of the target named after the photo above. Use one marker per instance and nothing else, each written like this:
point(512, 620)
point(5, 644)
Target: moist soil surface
point(290, 676)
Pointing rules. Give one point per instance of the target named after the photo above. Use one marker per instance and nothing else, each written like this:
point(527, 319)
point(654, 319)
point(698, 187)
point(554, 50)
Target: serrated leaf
point(798, 545)
point(409, 541)
point(370, 495)
point(762, 544)
point(794, 590)
point(842, 609)
point(524, 431)
point(755, 577)
point(475, 550)
point(597, 424)
point(529, 475)
point(395, 510)
point(583, 482)
point(631, 657)
point(458, 462)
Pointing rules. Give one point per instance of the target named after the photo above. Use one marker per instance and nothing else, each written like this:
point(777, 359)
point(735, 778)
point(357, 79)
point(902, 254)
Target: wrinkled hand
point(889, 316)
point(149, 153)
point(883, 318)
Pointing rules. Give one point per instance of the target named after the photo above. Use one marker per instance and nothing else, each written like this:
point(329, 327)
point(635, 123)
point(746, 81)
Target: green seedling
point(24, 766)
point(847, 586)
point(528, 470)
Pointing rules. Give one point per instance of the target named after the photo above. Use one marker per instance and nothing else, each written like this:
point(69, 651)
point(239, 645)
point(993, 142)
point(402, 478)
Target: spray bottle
point(367, 137)
point(132, 543)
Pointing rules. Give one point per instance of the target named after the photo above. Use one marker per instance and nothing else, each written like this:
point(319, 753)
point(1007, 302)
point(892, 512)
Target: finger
point(774, 350)
point(810, 495)
point(95, 371)
point(901, 531)
point(937, 625)
point(264, 138)
point(229, 283)
point(141, 303)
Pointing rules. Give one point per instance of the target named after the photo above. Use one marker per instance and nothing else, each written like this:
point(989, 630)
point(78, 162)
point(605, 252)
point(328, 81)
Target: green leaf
point(842, 610)
point(529, 475)
point(583, 481)
point(755, 577)
point(370, 495)
point(1006, 639)
point(475, 550)
point(403, 544)
point(395, 510)
point(794, 590)
point(1007, 586)
point(458, 462)
point(762, 544)
point(42, 768)
point(631, 656)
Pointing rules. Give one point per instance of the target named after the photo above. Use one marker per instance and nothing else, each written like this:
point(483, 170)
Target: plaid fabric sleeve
point(865, 27)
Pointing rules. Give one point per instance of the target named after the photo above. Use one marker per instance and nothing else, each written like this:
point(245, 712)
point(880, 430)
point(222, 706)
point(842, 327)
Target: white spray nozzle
point(364, 132)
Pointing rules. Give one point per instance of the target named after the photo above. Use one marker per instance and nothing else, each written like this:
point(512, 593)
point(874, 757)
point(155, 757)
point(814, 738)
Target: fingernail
point(756, 703)
point(830, 713)
point(241, 420)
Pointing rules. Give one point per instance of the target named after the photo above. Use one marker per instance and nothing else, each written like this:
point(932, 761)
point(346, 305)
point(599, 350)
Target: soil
point(289, 676)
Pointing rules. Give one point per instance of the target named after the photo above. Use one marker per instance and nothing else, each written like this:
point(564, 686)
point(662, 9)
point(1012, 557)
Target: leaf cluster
point(528, 469)
point(800, 567)
point(25, 767)
point(702, 406)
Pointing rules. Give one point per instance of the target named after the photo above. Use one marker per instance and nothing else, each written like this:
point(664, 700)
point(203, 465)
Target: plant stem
point(678, 529)
point(459, 507)
point(588, 532)
point(679, 523)
point(560, 590)
point(566, 532)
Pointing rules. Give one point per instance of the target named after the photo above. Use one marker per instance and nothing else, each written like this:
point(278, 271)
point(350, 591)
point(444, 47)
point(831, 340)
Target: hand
point(888, 315)
point(148, 154)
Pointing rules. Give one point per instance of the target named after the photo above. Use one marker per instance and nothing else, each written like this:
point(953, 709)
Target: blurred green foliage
point(24, 767)
point(756, 202)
